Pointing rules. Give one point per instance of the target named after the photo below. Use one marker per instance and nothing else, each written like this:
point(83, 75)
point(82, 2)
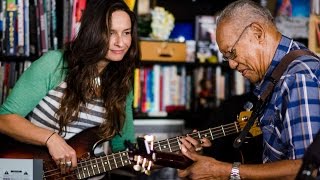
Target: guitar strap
point(272, 81)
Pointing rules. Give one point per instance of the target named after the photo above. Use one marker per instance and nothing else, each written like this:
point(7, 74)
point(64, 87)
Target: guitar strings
point(112, 159)
point(166, 146)
point(212, 132)
point(83, 166)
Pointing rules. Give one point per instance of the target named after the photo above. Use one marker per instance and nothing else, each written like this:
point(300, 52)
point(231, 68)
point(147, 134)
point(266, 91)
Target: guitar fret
point(97, 166)
point(125, 157)
point(223, 130)
point(121, 160)
point(78, 171)
point(211, 134)
point(169, 145)
point(235, 123)
point(84, 175)
point(159, 146)
point(205, 134)
point(128, 161)
point(176, 145)
point(178, 141)
point(109, 163)
point(199, 135)
point(87, 169)
point(114, 159)
point(102, 162)
point(164, 147)
point(91, 168)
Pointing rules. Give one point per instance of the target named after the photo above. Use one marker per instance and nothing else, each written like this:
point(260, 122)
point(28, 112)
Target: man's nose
point(233, 64)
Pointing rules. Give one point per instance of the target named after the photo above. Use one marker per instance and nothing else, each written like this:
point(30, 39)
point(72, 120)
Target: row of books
point(161, 89)
point(9, 73)
point(214, 84)
point(32, 27)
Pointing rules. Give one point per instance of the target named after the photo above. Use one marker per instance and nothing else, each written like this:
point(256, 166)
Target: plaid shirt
point(292, 116)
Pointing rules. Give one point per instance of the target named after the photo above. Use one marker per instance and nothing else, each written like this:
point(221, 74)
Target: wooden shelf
point(17, 58)
point(313, 44)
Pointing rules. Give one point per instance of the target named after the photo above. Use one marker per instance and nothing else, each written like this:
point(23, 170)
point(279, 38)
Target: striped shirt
point(44, 114)
point(292, 116)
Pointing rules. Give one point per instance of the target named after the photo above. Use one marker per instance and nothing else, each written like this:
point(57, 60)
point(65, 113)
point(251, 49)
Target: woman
point(87, 84)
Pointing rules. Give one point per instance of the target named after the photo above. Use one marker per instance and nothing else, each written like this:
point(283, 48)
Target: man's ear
point(259, 31)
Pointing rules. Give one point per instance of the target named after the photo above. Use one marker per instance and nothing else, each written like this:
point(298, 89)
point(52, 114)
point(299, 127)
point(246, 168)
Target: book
point(34, 28)
point(2, 25)
point(205, 36)
point(11, 28)
point(20, 27)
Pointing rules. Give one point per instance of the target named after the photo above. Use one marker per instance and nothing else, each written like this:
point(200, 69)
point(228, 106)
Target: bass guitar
point(83, 143)
point(89, 165)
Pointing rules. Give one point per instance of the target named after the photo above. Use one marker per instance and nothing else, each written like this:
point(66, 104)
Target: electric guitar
point(165, 151)
point(89, 165)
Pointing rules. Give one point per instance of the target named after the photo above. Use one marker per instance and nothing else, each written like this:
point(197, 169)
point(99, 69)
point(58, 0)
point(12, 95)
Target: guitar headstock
point(243, 118)
point(142, 154)
point(145, 156)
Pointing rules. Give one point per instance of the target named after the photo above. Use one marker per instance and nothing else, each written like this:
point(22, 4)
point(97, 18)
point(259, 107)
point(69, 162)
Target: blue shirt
point(292, 116)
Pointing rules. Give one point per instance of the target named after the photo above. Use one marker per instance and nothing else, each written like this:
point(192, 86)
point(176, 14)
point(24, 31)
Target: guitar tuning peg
point(150, 139)
point(248, 106)
point(149, 165)
point(144, 164)
point(147, 172)
point(137, 166)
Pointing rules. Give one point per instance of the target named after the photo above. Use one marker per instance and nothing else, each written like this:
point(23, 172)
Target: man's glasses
point(232, 54)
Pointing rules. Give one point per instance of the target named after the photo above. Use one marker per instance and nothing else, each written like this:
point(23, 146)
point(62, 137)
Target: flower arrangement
point(162, 23)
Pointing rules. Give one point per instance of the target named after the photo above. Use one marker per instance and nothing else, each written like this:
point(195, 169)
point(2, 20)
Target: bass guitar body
point(81, 143)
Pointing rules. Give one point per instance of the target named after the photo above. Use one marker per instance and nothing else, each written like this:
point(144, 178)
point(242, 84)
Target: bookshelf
point(187, 88)
point(46, 24)
point(28, 29)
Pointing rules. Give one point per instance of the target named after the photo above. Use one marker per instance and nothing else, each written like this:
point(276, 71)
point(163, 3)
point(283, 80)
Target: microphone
point(311, 160)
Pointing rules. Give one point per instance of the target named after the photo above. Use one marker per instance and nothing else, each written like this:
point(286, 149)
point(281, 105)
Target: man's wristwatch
point(235, 173)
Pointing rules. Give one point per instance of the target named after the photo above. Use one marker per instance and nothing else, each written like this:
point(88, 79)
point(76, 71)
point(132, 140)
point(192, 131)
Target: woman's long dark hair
point(82, 55)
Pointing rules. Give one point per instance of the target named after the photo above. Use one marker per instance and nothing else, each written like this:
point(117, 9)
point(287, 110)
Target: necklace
point(97, 81)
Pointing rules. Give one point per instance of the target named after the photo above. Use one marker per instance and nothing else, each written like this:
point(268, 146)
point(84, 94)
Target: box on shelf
point(163, 51)
point(314, 33)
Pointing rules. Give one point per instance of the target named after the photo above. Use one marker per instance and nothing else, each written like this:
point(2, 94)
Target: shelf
point(194, 64)
point(17, 58)
point(170, 115)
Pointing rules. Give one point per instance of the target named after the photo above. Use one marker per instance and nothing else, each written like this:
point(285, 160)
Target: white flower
point(162, 23)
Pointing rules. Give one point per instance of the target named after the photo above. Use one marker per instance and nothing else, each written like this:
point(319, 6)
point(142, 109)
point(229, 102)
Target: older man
point(251, 43)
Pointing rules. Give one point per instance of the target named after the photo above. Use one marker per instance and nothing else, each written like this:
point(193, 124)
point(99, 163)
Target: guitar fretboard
point(102, 164)
point(173, 144)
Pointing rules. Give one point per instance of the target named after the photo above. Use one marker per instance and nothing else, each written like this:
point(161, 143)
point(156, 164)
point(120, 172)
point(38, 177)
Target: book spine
point(136, 88)
point(20, 27)
point(54, 25)
point(26, 28)
point(11, 33)
point(43, 27)
point(34, 28)
point(156, 88)
point(2, 25)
